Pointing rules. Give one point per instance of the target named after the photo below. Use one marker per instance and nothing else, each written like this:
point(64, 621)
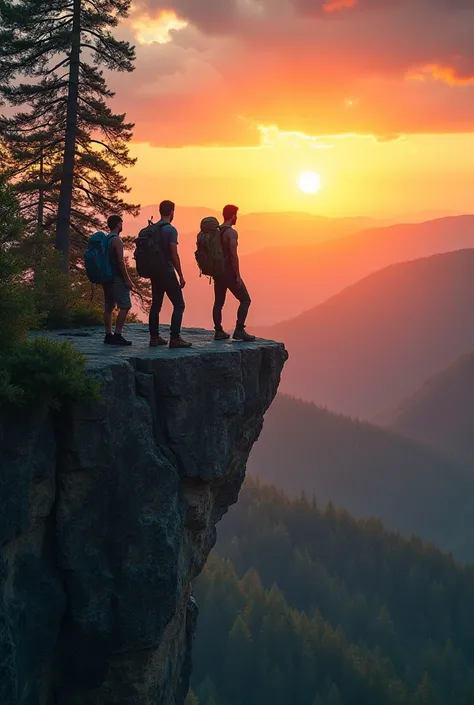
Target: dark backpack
point(210, 253)
point(150, 258)
point(97, 258)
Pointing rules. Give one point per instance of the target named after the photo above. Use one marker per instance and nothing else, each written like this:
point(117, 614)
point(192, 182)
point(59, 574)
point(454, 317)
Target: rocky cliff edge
point(109, 512)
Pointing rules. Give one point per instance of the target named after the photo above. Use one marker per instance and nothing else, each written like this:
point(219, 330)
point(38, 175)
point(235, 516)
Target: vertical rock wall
point(109, 513)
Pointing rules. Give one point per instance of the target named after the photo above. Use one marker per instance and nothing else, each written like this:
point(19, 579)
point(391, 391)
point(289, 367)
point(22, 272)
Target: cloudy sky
point(233, 99)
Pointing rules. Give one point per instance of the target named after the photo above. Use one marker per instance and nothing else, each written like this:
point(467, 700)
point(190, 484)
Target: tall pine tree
point(65, 148)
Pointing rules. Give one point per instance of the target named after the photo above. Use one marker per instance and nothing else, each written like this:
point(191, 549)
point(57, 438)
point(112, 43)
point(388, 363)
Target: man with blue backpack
point(105, 264)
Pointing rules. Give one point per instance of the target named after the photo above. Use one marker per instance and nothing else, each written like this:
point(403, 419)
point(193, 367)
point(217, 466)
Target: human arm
point(176, 262)
point(233, 239)
point(117, 247)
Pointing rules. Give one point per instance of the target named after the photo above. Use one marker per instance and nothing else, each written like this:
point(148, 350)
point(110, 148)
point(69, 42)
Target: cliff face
point(109, 513)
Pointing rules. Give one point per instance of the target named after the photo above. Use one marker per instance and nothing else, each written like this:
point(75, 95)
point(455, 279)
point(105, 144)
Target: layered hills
point(367, 471)
point(367, 348)
point(441, 413)
point(292, 262)
point(309, 606)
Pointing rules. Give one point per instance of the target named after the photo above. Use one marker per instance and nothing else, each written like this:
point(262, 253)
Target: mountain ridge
point(366, 470)
point(368, 347)
point(439, 413)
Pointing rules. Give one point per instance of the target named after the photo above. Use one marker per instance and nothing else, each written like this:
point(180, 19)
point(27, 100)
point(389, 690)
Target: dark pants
point(228, 281)
point(175, 294)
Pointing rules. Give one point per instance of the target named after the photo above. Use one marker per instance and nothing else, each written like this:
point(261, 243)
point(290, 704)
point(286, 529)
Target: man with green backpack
point(217, 257)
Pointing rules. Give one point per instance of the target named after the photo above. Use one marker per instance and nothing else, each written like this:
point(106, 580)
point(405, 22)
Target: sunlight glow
point(272, 136)
point(309, 182)
point(158, 30)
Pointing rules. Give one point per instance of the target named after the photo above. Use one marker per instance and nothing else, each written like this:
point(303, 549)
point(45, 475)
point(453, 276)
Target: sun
point(309, 182)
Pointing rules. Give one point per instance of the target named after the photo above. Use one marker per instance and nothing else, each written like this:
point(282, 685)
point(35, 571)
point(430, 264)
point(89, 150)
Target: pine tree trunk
point(65, 192)
point(41, 198)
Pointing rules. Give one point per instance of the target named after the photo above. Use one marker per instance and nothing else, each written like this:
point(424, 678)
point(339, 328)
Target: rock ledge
point(109, 513)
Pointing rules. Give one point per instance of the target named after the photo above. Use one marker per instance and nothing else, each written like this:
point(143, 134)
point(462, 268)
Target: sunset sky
point(233, 99)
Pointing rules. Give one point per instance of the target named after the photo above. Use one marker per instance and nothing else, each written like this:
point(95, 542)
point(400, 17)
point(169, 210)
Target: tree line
point(366, 469)
point(62, 147)
point(34, 371)
point(308, 605)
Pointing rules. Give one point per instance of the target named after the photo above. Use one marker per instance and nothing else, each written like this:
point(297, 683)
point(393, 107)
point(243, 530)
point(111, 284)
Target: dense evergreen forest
point(310, 606)
point(369, 471)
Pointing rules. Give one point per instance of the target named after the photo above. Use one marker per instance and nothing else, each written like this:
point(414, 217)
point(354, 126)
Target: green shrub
point(62, 301)
point(33, 292)
point(16, 300)
point(11, 230)
point(46, 370)
point(9, 394)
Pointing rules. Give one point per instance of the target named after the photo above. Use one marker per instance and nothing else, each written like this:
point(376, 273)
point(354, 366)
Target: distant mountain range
point(441, 413)
point(291, 278)
point(259, 230)
point(366, 349)
point(367, 471)
point(285, 281)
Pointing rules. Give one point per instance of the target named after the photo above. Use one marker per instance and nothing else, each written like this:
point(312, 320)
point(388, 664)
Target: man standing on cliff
point(231, 280)
point(172, 284)
point(117, 291)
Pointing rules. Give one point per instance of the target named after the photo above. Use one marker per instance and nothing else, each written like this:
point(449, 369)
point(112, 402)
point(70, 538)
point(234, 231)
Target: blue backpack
point(97, 258)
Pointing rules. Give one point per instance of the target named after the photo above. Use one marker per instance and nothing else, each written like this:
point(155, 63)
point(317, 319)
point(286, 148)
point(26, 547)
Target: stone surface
point(109, 513)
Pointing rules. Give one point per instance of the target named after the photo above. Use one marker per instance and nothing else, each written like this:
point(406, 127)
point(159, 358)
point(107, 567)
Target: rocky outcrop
point(109, 513)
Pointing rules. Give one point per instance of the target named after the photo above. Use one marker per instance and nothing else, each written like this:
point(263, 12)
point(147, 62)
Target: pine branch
point(109, 60)
point(32, 33)
point(61, 63)
point(125, 53)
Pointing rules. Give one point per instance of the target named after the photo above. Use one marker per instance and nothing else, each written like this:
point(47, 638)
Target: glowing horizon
point(233, 102)
point(360, 174)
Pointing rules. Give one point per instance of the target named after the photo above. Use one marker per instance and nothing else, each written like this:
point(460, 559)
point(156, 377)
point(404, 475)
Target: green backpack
point(210, 253)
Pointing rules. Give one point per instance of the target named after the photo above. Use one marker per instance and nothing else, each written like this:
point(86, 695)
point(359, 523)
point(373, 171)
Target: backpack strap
point(224, 229)
point(158, 230)
point(110, 237)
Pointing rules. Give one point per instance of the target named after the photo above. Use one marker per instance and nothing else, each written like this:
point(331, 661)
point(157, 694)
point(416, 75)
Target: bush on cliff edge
point(39, 370)
point(44, 371)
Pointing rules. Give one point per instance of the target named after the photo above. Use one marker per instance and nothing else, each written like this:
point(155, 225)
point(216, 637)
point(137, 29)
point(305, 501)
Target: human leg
point(175, 295)
point(220, 291)
point(242, 295)
point(108, 321)
point(157, 294)
point(109, 305)
point(120, 321)
point(124, 303)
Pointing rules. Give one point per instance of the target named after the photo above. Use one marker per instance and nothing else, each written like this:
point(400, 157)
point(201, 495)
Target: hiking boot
point(221, 335)
point(156, 340)
point(109, 339)
point(118, 339)
point(242, 335)
point(179, 343)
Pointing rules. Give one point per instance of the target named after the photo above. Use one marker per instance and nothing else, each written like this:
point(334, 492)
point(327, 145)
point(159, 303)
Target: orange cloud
point(149, 30)
point(238, 64)
point(446, 74)
point(335, 5)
